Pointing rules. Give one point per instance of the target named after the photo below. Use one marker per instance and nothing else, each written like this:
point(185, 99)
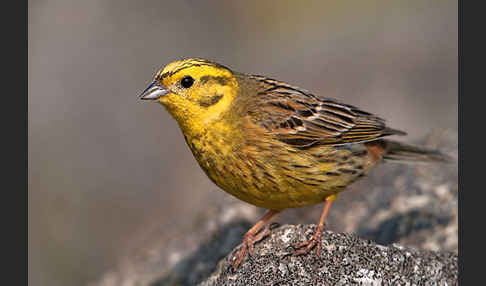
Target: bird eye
point(187, 81)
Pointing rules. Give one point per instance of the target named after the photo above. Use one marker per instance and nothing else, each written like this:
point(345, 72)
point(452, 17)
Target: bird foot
point(306, 246)
point(247, 245)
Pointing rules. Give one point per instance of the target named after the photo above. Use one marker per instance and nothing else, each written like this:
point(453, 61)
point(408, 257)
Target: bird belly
point(285, 180)
point(291, 193)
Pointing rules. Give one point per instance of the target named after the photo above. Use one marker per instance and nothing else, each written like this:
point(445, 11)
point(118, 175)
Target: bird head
point(194, 91)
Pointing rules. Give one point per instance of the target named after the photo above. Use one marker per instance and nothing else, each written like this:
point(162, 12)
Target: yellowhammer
point(271, 144)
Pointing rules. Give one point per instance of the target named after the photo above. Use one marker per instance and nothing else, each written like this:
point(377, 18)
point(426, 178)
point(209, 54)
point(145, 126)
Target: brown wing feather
point(301, 119)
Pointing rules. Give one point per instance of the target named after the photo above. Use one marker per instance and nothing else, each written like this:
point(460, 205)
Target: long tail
point(407, 153)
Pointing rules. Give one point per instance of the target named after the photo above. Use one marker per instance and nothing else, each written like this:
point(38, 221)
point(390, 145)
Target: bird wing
point(301, 119)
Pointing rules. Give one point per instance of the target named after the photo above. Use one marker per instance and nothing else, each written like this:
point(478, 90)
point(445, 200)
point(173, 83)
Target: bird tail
point(407, 153)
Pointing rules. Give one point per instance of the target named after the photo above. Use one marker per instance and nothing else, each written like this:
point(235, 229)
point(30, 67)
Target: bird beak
point(153, 92)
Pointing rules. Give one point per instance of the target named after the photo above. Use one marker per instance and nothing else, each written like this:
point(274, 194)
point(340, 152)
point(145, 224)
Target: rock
point(345, 259)
point(202, 263)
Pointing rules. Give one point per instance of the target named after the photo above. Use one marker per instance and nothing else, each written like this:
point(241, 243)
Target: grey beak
point(153, 92)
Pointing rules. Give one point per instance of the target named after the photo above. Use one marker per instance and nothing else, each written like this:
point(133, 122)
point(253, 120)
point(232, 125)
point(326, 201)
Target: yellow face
point(194, 91)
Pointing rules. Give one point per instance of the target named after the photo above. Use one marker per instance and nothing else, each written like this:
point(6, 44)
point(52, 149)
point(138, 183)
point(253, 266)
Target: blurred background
point(106, 171)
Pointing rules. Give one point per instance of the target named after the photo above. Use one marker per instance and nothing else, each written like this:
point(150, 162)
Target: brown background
point(104, 167)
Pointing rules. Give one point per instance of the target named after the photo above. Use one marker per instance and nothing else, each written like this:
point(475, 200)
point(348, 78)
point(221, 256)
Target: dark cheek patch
point(210, 100)
point(221, 80)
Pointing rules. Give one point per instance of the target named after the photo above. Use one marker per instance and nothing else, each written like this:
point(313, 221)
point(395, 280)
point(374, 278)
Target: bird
point(272, 144)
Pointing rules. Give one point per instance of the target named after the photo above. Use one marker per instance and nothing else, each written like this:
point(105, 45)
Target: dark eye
point(187, 81)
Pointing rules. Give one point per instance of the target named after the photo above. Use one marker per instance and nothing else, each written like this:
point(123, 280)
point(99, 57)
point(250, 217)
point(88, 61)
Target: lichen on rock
point(345, 259)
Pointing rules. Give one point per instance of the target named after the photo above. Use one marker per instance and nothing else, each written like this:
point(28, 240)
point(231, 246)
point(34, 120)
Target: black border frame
point(14, 214)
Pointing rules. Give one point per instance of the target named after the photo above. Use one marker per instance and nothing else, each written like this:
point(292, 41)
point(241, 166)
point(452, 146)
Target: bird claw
point(239, 257)
point(247, 245)
point(306, 246)
point(262, 234)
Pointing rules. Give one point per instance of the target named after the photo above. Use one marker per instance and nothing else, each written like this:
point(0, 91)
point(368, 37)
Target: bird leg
point(252, 236)
point(306, 246)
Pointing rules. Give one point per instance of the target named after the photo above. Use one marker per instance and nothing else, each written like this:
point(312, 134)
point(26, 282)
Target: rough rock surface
point(413, 205)
point(345, 259)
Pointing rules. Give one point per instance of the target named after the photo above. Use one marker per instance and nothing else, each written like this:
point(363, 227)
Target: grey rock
point(345, 259)
point(202, 262)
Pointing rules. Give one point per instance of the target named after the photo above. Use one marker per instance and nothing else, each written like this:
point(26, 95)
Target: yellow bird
point(271, 144)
